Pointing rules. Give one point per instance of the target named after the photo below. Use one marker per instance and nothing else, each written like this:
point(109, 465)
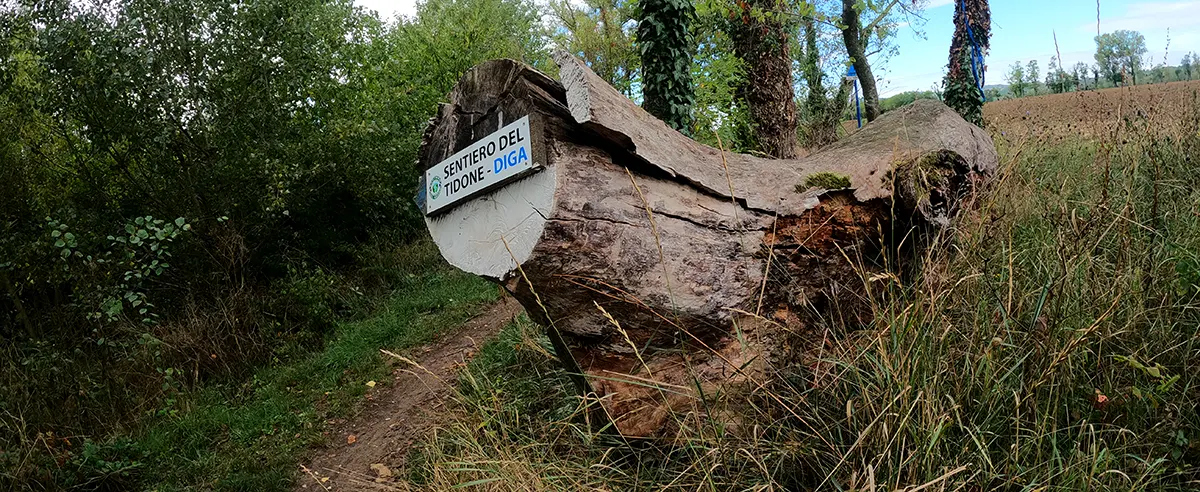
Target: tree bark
point(856, 47)
point(762, 43)
point(666, 269)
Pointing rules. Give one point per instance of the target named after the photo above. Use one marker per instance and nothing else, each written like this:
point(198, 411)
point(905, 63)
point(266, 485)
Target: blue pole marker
point(857, 106)
point(853, 75)
point(977, 68)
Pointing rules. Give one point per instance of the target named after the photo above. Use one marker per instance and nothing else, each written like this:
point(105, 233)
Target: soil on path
point(397, 415)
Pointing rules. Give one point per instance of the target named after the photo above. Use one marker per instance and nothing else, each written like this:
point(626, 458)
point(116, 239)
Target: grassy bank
point(251, 434)
point(1050, 342)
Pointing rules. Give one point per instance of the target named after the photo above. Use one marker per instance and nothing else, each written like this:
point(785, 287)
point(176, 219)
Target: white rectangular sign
point(503, 156)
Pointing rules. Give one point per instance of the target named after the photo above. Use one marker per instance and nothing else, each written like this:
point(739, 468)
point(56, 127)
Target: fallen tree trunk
point(657, 263)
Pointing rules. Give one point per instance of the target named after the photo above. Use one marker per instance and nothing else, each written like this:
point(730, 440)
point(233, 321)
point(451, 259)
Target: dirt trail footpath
point(366, 450)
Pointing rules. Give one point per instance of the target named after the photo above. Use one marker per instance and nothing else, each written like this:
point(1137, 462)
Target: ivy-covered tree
point(666, 46)
point(972, 31)
point(759, 30)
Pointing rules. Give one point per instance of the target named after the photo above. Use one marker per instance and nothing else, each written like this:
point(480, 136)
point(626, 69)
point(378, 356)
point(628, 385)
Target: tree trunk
point(666, 47)
point(17, 304)
point(972, 20)
point(856, 47)
point(762, 43)
point(823, 116)
point(645, 254)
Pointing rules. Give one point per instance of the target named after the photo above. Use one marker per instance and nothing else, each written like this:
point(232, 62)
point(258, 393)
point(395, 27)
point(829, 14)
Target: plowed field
point(1092, 113)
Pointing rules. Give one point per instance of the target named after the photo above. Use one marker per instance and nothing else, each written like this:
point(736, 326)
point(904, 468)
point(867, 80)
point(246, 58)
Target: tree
point(1119, 55)
point(1031, 76)
point(721, 117)
point(759, 32)
point(1055, 83)
point(1186, 65)
point(666, 46)
point(1016, 79)
point(823, 108)
point(596, 32)
point(1080, 74)
point(858, 40)
point(914, 165)
point(1059, 80)
point(285, 131)
point(448, 37)
point(972, 32)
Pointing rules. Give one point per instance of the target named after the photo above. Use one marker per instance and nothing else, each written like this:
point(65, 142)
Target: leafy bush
point(188, 189)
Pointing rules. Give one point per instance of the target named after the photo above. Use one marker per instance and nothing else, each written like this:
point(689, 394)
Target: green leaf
point(1154, 371)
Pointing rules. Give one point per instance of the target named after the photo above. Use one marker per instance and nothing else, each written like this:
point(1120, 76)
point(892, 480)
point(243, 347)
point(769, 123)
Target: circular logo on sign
point(435, 187)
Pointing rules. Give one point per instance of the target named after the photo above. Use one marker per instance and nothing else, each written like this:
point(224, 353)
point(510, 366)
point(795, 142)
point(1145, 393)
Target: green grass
point(1051, 341)
point(253, 436)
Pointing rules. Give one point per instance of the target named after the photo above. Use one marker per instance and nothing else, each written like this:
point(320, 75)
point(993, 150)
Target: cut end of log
point(645, 253)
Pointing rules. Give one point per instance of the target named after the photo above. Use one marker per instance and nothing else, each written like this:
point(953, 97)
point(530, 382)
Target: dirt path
point(397, 415)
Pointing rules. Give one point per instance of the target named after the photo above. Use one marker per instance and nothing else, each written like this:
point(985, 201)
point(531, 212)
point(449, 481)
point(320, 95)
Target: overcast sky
point(1021, 30)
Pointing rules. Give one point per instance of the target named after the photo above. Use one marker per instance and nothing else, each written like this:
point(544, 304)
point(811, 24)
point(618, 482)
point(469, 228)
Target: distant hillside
point(904, 99)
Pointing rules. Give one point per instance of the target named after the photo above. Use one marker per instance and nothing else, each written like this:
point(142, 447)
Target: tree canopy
point(1119, 55)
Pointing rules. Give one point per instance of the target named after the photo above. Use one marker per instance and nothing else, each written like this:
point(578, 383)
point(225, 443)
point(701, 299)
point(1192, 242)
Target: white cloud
point(1151, 16)
point(390, 8)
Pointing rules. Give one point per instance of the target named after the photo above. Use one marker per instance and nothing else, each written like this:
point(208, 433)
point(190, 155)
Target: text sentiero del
point(497, 158)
